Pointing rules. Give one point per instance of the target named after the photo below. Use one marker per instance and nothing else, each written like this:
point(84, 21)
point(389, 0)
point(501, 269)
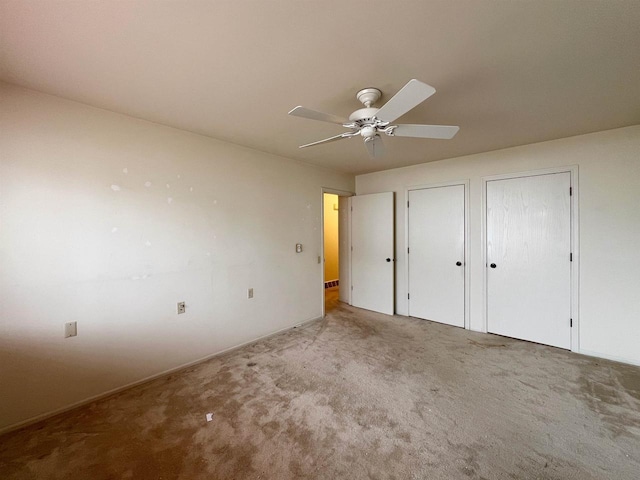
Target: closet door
point(436, 254)
point(528, 258)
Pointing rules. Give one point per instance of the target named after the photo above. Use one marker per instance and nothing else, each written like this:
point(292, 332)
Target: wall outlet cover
point(70, 329)
point(181, 307)
point(250, 293)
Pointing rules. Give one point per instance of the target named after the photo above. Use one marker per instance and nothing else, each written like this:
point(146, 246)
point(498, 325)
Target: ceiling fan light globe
point(368, 132)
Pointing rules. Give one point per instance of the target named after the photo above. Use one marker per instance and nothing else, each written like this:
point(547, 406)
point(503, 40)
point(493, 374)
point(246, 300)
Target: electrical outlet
point(70, 329)
point(298, 248)
point(181, 307)
point(250, 293)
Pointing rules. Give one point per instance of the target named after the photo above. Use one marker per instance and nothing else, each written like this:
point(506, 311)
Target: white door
point(344, 253)
point(436, 254)
point(372, 272)
point(528, 258)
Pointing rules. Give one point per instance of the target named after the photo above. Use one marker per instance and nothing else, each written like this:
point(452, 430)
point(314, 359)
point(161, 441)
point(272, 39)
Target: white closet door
point(436, 254)
point(372, 271)
point(528, 264)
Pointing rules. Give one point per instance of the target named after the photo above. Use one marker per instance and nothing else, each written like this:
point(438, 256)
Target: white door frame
point(465, 183)
point(340, 193)
point(575, 244)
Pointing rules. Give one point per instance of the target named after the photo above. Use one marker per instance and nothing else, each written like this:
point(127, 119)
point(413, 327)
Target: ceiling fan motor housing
point(363, 116)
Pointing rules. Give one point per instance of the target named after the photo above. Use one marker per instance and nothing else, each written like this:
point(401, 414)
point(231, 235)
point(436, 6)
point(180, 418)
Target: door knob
point(388, 259)
point(493, 265)
point(458, 263)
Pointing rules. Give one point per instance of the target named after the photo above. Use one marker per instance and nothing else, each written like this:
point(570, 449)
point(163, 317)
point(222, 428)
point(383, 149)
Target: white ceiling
point(507, 72)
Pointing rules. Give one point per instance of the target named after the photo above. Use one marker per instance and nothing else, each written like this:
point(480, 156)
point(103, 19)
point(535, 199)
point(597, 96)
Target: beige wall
point(331, 256)
point(609, 228)
point(109, 221)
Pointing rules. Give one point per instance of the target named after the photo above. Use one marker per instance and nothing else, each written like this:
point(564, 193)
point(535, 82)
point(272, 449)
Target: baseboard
point(588, 353)
point(108, 393)
point(608, 357)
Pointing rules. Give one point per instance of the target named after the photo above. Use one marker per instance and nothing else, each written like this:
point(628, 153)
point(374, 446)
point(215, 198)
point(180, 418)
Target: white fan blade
point(314, 115)
point(425, 131)
point(327, 140)
point(409, 96)
point(375, 147)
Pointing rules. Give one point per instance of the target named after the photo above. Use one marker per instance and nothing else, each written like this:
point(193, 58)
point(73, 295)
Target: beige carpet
point(356, 396)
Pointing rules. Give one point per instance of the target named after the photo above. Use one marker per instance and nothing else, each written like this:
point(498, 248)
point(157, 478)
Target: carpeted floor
point(356, 396)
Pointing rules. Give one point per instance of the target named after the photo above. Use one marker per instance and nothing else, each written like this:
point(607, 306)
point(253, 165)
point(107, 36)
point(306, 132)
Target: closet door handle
point(458, 263)
point(493, 265)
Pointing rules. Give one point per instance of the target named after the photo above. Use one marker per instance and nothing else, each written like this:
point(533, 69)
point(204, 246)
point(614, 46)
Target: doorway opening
point(336, 283)
point(331, 251)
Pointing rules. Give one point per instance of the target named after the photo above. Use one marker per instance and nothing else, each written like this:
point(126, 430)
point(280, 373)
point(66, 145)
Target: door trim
point(340, 193)
point(574, 203)
point(467, 297)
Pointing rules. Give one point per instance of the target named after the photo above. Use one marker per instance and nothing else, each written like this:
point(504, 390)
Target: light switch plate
point(250, 293)
point(181, 307)
point(70, 329)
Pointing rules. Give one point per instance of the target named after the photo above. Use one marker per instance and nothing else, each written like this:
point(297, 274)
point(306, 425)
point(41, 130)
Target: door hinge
point(571, 322)
point(408, 296)
point(351, 287)
point(407, 203)
point(571, 257)
point(570, 191)
point(407, 249)
point(352, 248)
point(352, 208)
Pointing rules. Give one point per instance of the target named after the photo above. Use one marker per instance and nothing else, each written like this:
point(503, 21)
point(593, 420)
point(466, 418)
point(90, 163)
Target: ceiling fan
point(369, 122)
